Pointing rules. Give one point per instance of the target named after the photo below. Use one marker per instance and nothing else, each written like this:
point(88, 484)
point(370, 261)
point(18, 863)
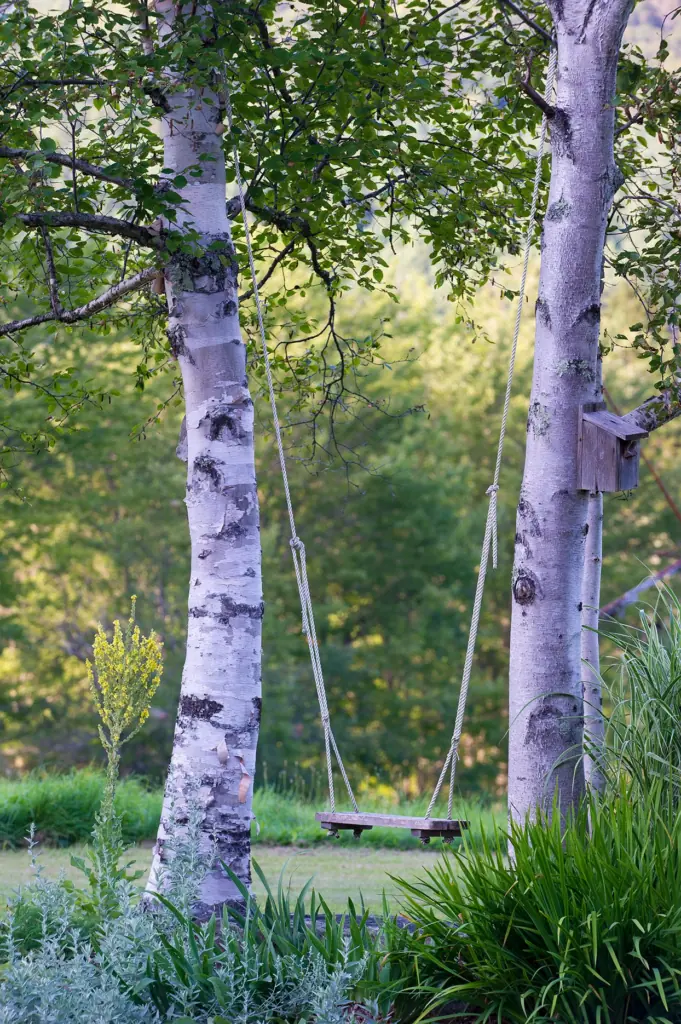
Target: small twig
point(272, 267)
point(529, 21)
point(53, 283)
point(636, 119)
point(74, 179)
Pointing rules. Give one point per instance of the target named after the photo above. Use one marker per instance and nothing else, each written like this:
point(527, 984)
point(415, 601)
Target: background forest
point(393, 537)
point(392, 531)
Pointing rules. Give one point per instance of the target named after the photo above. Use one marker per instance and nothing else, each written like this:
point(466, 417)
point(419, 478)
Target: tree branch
point(529, 21)
point(8, 153)
point(53, 283)
point(70, 316)
point(536, 97)
point(93, 222)
point(272, 267)
point(655, 411)
point(616, 607)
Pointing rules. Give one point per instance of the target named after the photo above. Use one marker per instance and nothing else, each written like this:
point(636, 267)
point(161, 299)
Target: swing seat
point(423, 828)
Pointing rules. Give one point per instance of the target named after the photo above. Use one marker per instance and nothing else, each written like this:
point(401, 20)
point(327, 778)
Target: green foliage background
point(392, 535)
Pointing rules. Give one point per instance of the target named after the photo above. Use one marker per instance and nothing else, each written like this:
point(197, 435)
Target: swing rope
point(491, 528)
point(490, 541)
point(297, 547)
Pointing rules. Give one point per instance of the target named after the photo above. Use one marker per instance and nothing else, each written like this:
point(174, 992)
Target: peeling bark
point(546, 703)
point(213, 760)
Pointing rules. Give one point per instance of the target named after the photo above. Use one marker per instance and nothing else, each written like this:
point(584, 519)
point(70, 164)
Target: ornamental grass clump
point(583, 924)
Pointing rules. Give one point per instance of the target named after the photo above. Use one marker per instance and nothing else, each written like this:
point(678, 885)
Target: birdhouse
point(609, 450)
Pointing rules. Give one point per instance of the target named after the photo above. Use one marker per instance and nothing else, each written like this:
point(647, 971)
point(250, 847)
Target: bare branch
point(655, 411)
point(616, 607)
point(53, 283)
point(9, 153)
point(529, 21)
point(93, 222)
point(536, 97)
point(636, 119)
point(272, 267)
point(70, 316)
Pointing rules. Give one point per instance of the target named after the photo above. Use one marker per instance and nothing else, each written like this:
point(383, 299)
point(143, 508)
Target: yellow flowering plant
point(125, 676)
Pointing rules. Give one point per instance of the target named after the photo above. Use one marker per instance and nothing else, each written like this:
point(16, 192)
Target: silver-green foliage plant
point(100, 955)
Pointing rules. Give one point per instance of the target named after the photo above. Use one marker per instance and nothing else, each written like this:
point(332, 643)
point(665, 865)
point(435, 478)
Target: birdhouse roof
point(617, 426)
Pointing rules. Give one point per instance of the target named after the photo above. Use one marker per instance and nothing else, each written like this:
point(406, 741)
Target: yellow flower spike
point(126, 674)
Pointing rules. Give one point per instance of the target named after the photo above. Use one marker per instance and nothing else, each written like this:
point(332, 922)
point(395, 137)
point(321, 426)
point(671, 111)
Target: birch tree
point(558, 547)
point(357, 127)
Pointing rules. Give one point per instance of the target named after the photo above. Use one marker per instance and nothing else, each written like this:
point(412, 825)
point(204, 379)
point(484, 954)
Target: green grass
point(63, 809)
point(338, 872)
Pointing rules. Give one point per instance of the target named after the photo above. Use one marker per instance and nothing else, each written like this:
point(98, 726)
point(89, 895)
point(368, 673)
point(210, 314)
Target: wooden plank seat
point(424, 828)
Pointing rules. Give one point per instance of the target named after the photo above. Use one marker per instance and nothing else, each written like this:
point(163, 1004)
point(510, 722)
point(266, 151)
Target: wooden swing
point(337, 821)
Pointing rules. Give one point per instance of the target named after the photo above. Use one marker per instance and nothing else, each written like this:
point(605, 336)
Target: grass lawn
point(339, 871)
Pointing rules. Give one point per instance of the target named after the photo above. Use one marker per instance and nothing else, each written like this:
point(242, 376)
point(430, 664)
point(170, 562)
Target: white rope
point(490, 538)
point(297, 546)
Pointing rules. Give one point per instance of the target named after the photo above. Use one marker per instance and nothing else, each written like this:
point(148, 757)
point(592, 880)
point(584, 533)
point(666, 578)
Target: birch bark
point(594, 723)
point(213, 759)
point(546, 703)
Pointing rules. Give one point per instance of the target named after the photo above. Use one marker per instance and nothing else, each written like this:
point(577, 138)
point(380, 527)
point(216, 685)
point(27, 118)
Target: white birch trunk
point(213, 759)
point(594, 723)
point(546, 703)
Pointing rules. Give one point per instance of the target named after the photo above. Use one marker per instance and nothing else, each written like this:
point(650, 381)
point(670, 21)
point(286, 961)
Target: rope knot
point(297, 544)
point(492, 489)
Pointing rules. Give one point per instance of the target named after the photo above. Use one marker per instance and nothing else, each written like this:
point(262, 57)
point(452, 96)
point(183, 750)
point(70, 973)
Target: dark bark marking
point(223, 417)
point(231, 609)
point(561, 135)
point(542, 313)
point(538, 419)
point(197, 707)
point(591, 315)
point(527, 513)
point(208, 467)
point(250, 572)
point(257, 711)
point(229, 308)
point(244, 503)
point(205, 553)
point(521, 539)
point(177, 336)
point(580, 606)
point(198, 613)
point(585, 529)
point(525, 587)
point(558, 211)
point(587, 18)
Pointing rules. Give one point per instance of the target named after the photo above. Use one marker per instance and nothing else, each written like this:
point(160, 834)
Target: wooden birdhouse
point(609, 450)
